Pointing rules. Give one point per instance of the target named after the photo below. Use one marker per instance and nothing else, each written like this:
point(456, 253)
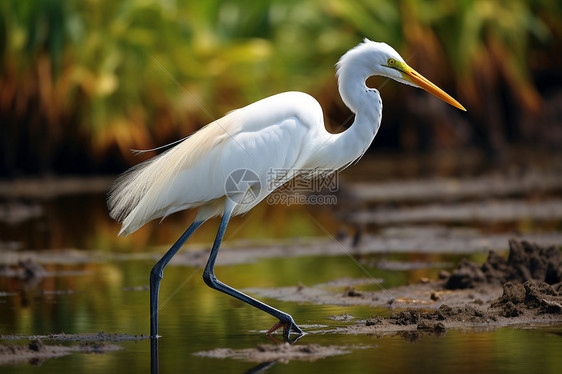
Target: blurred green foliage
point(93, 78)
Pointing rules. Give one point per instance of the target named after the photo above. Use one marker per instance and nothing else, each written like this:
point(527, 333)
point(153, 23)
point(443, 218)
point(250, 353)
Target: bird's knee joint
point(156, 273)
point(210, 279)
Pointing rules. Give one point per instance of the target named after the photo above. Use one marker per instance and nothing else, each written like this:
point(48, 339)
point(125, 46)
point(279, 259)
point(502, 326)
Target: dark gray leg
point(157, 273)
point(285, 320)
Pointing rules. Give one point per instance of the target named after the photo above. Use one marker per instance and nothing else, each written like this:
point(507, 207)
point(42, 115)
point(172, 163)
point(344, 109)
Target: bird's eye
point(391, 61)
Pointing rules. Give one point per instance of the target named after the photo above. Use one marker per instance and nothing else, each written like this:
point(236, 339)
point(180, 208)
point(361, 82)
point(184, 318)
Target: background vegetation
point(83, 81)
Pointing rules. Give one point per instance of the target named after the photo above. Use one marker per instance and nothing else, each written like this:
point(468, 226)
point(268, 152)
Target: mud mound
point(433, 320)
point(519, 303)
point(405, 317)
point(459, 314)
point(466, 275)
point(526, 262)
point(518, 299)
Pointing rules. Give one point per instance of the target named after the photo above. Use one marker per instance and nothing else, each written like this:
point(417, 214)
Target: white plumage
point(284, 132)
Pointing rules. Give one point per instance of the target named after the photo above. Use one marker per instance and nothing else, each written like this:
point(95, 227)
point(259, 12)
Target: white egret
point(282, 132)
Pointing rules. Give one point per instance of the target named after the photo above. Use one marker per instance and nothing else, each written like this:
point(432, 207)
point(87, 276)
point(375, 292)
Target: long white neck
point(344, 148)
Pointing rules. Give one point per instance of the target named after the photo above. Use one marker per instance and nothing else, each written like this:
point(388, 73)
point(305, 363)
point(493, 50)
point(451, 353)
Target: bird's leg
point(211, 280)
point(157, 273)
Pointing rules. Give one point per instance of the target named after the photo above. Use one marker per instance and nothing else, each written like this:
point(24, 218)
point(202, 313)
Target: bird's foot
point(288, 326)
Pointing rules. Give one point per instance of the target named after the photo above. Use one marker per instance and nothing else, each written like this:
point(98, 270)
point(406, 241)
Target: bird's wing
point(263, 136)
point(137, 188)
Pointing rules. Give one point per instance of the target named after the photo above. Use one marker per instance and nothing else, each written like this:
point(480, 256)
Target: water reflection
point(261, 368)
point(154, 364)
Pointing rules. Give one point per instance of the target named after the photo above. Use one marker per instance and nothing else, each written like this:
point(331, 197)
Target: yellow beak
point(419, 80)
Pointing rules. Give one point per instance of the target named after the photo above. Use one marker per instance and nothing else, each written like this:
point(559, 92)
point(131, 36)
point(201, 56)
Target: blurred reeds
point(83, 81)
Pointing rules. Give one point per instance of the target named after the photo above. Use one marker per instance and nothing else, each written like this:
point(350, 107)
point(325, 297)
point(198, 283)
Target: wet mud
point(518, 304)
point(524, 288)
point(526, 262)
point(36, 352)
point(36, 349)
point(281, 352)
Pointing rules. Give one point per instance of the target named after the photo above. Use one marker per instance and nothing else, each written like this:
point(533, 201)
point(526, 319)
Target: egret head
point(373, 58)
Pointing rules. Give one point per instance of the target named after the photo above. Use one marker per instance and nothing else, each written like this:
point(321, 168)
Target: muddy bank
point(37, 352)
point(526, 262)
point(525, 287)
point(43, 347)
point(518, 304)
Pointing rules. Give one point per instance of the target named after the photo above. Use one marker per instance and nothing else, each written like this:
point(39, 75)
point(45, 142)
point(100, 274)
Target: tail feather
point(135, 197)
point(129, 189)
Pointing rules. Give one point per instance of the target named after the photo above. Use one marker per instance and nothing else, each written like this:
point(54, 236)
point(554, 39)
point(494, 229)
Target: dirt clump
point(374, 321)
point(412, 322)
point(406, 317)
point(430, 326)
point(519, 302)
point(524, 287)
point(443, 313)
point(36, 345)
point(459, 314)
point(526, 262)
point(522, 299)
point(467, 275)
point(531, 278)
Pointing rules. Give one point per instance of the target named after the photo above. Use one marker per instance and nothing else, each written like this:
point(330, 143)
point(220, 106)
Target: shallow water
point(108, 293)
point(194, 318)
